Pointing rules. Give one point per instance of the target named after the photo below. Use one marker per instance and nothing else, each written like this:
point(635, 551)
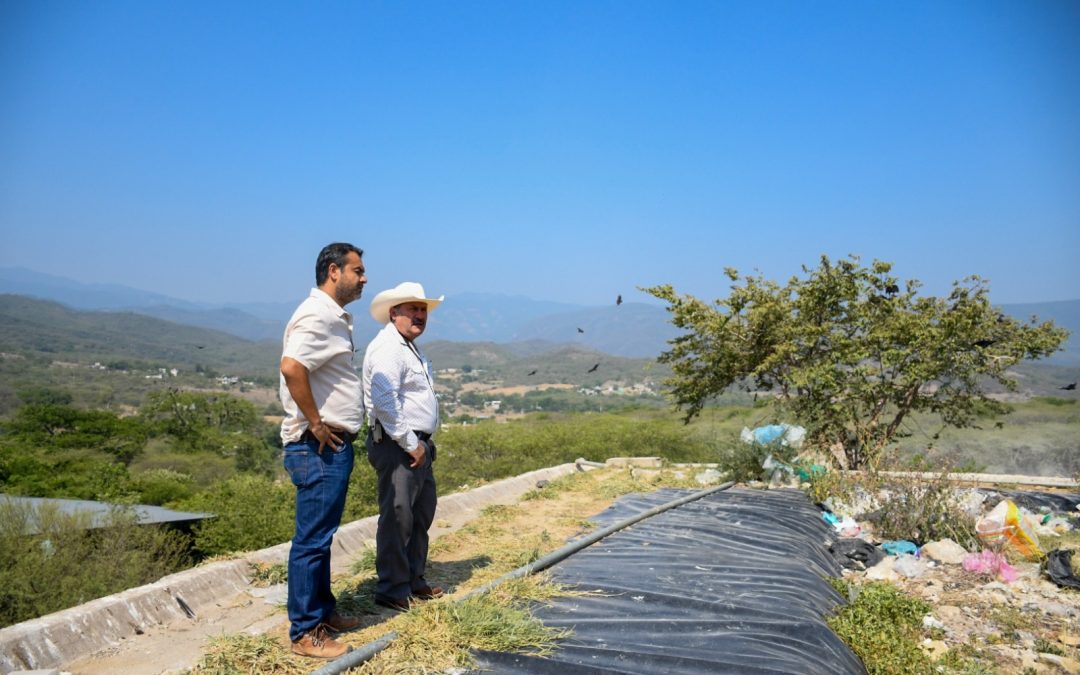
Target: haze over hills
point(631, 330)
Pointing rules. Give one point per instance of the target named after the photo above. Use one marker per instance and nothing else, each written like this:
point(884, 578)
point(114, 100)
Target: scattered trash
point(1059, 567)
point(909, 566)
point(1006, 525)
point(855, 554)
point(1053, 526)
point(900, 547)
point(786, 434)
point(708, 477)
point(929, 621)
point(989, 563)
point(846, 526)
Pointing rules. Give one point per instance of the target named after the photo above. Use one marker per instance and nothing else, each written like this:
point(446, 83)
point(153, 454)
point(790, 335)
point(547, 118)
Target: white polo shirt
point(319, 336)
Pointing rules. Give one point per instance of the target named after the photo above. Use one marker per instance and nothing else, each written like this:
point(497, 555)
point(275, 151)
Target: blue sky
point(564, 151)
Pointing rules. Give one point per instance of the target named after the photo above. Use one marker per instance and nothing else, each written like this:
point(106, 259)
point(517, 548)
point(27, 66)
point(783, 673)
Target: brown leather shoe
point(318, 644)
point(392, 603)
point(428, 593)
point(339, 623)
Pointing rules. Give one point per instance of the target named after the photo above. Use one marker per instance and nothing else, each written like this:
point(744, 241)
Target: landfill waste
point(855, 554)
point(907, 565)
point(900, 547)
point(846, 526)
point(1059, 567)
point(1007, 525)
point(786, 435)
point(990, 563)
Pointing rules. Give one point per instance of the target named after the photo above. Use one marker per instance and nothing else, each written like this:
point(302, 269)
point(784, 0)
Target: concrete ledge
point(55, 639)
point(983, 478)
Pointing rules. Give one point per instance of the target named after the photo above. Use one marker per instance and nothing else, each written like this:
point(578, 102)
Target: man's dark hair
point(332, 254)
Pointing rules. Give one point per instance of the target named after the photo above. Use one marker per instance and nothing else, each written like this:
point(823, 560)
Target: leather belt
point(346, 436)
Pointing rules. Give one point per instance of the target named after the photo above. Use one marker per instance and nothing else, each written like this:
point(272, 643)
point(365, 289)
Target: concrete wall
point(56, 639)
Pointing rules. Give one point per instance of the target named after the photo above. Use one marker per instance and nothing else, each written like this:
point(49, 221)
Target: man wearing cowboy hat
point(403, 413)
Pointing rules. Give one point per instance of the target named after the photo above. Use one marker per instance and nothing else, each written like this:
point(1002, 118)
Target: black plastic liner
point(731, 583)
point(1057, 502)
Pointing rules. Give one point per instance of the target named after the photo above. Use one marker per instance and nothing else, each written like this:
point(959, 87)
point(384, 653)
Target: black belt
point(422, 435)
point(346, 436)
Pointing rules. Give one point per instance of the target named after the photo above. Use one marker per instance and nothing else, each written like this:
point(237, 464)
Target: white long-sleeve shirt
point(399, 388)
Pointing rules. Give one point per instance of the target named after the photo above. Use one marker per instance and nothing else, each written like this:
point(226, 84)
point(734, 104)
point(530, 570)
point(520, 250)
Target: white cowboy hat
point(407, 291)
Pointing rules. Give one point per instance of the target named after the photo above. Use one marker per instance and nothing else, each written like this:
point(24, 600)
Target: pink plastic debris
point(990, 563)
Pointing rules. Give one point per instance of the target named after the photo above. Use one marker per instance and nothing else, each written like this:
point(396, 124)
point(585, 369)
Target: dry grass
point(436, 636)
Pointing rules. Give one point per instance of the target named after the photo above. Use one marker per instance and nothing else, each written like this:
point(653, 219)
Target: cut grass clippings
point(438, 635)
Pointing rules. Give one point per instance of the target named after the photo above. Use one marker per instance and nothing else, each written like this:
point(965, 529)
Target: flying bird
point(618, 300)
point(984, 343)
point(1069, 387)
point(593, 368)
point(531, 373)
point(200, 346)
point(580, 330)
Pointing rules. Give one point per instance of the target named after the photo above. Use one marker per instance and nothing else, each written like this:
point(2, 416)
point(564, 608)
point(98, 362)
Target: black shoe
point(393, 603)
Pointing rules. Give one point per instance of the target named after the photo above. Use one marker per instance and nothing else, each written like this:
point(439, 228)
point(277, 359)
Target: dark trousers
point(406, 510)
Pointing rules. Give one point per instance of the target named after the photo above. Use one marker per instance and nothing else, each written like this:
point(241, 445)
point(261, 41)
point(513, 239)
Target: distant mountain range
point(631, 330)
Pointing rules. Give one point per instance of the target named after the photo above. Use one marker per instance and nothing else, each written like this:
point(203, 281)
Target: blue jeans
point(321, 482)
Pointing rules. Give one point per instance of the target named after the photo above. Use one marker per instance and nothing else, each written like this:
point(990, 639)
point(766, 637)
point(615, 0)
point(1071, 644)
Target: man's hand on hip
point(326, 437)
point(417, 455)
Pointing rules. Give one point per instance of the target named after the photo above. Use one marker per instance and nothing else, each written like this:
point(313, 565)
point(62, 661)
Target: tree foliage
point(850, 352)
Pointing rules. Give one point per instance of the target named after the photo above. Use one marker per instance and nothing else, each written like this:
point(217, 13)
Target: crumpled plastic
point(900, 547)
point(855, 554)
point(845, 527)
point(1006, 524)
point(1059, 567)
point(989, 563)
point(786, 434)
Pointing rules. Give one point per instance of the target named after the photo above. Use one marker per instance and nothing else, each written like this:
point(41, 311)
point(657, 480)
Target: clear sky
point(564, 151)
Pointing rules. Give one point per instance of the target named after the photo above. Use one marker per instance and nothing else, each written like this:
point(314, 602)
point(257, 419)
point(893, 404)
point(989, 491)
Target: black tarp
point(1034, 501)
point(732, 583)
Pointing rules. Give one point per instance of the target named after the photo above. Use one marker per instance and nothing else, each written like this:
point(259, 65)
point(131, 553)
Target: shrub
point(50, 560)
point(250, 512)
point(883, 627)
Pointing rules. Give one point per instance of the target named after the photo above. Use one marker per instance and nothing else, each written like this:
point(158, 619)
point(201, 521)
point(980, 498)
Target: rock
point(929, 621)
point(1056, 608)
point(1068, 639)
point(935, 649)
point(883, 571)
point(1062, 662)
point(949, 613)
point(945, 550)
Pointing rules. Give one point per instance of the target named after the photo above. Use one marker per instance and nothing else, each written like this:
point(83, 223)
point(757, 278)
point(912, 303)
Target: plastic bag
point(900, 547)
point(990, 563)
point(1006, 525)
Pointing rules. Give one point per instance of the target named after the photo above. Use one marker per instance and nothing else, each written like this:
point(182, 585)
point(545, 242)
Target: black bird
point(531, 373)
point(618, 300)
point(1069, 387)
point(580, 330)
point(984, 343)
point(892, 289)
point(593, 368)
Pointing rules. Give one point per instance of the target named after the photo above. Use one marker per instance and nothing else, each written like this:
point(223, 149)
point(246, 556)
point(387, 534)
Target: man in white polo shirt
point(320, 391)
point(403, 413)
